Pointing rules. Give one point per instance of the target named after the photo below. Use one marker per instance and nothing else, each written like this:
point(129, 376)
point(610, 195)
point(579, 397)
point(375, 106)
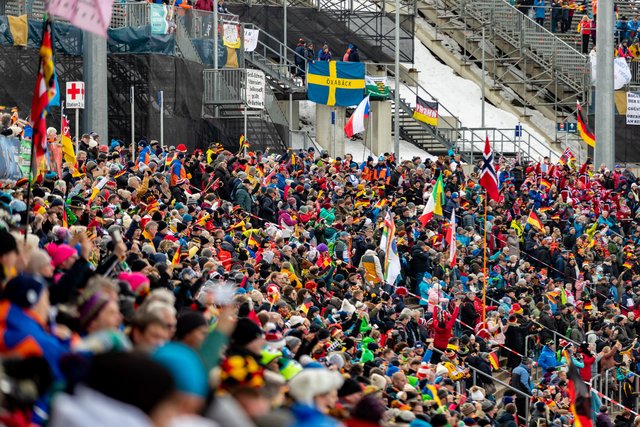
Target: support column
point(95, 77)
point(295, 122)
point(605, 149)
point(325, 131)
point(380, 132)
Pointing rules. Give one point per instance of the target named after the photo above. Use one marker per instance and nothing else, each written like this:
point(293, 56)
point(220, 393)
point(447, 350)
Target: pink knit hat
point(59, 253)
point(135, 280)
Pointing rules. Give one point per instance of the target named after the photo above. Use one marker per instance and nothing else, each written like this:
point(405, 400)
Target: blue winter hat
point(24, 290)
point(185, 366)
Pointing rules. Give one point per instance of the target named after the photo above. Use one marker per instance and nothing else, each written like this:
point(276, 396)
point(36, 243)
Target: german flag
point(545, 209)
point(545, 183)
point(534, 221)
point(585, 133)
point(252, 241)
point(628, 265)
point(426, 111)
point(176, 258)
point(362, 203)
point(580, 398)
point(493, 359)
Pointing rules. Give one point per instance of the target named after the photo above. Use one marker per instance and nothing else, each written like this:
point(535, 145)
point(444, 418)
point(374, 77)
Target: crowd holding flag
point(534, 221)
point(355, 124)
point(434, 204)
point(389, 245)
point(583, 129)
point(45, 91)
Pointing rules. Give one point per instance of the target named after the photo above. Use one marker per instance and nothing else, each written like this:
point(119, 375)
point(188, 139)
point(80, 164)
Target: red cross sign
point(75, 95)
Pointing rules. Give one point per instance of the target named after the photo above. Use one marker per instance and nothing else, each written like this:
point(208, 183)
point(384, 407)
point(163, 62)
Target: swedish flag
point(336, 83)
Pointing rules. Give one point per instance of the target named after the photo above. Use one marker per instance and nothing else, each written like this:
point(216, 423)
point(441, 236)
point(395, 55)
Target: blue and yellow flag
point(336, 83)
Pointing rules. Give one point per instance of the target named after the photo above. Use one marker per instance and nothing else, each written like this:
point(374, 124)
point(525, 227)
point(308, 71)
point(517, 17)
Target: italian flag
point(434, 204)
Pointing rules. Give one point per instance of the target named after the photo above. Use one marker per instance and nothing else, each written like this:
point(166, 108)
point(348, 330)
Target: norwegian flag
point(488, 175)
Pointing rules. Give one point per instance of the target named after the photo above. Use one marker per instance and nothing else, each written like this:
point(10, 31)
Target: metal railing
point(273, 108)
point(610, 389)
point(470, 141)
point(301, 139)
point(406, 6)
point(224, 86)
point(275, 61)
point(474, 372)
point(541, 45)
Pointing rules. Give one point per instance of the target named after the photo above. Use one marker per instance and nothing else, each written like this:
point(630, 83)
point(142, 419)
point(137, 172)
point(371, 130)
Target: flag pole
point(484, 268)
point(29, 184)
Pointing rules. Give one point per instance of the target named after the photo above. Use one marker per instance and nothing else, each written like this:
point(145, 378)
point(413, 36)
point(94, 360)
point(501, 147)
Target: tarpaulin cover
point(9, 151)
point(206, 51)
point(140, 40)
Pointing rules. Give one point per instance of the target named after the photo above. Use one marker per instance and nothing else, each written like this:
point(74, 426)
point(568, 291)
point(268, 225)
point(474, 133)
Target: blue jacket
point(547, 359)
point(525, 378)
point(306, 415)
point(539, 8)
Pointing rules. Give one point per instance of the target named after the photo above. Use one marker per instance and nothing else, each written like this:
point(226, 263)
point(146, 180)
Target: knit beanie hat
point(188, 322)
point(9, 243)
point(59, 253)
point(24, 290)
point(91, 308)
point(186, 368)
point(135, 280)
point(38, 259)
point(313, 382)
point(245, 332)
point(349, 387)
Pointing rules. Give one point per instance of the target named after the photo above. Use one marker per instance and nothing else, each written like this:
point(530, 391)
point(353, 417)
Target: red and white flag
point(488, 175)
point(355, 124)
point(89, 15)
point(451, 239)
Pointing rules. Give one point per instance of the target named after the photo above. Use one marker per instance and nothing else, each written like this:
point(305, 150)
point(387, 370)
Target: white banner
point(621, 72)
point(251, 39)
point(633, 108)
point(255, 89)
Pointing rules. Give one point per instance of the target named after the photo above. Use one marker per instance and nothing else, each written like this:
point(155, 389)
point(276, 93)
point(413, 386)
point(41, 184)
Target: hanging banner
point(24, 157)
point(255, 89)
point(426, 111)
point(621, 73)
point(633, 108)
point(376, 87)
point(231, 36)
point(251, 39)
point(161, 19)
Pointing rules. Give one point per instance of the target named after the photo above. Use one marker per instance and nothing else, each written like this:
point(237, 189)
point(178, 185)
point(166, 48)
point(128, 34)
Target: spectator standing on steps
point(540, 10)
point(354, 54)
point(584, 28)
point(301, 51)
point(325, 54)
point(556, 14)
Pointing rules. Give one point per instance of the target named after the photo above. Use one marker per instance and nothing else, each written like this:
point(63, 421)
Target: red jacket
point(204, 5)
point(585, 372)
point(442, 335)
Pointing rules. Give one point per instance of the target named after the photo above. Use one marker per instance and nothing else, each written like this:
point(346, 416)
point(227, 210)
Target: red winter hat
point(181, 148)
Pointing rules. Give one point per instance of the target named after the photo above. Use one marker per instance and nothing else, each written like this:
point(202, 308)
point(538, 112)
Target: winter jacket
point(371, 263)
point(22, 334)
point(547, 359)
point(506, 420)
point(521, 379)
point(442, 334)
point(306, 415)
point(244, 199)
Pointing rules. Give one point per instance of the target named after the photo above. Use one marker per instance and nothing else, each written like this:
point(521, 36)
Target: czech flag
point(355, 124)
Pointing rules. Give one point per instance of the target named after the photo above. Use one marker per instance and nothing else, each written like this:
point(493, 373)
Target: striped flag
point(389, 245)
point(44, 92)
point(585, 133)
point(488, 175)
point(580, 398)
point(534, 221)
point(451, 239)
point(434, 204)
point(493, 359)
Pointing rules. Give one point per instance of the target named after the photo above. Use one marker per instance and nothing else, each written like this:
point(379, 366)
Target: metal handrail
point(543, 46)
point(502, 383)
point(223, 86)
point(469, 138)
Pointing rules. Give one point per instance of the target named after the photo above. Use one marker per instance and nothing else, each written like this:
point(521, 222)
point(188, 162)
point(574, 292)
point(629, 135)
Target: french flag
point(355, 124)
